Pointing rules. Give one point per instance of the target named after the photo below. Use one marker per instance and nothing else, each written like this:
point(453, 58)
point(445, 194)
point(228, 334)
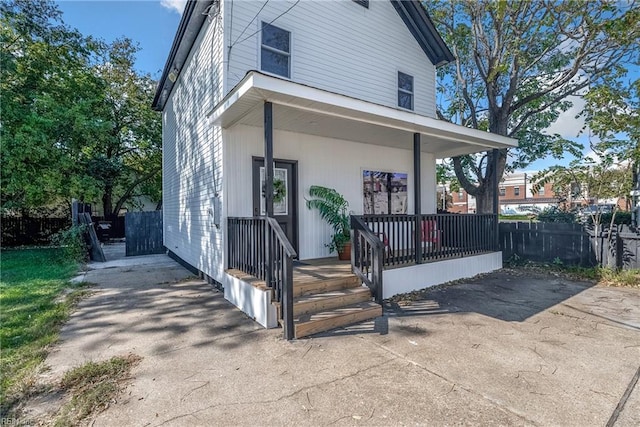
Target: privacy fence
point(571, 244)
point(19, 231)
point(143, 232)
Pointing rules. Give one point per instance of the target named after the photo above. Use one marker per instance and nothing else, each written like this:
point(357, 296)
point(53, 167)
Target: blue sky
point(151, 23)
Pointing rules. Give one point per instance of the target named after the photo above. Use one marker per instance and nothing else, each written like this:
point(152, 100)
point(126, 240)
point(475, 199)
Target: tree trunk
point(484, 200)
point(484, 189)
point(107, 200)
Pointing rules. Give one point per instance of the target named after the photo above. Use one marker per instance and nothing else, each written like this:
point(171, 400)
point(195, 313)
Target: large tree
point(42, 78)
point(76, 116)
point(518, 64)
point(126, 157)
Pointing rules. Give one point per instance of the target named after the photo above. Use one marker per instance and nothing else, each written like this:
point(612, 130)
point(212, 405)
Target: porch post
point(417, 197)
point(268, 158)
point(496, 199)
point(268, 188)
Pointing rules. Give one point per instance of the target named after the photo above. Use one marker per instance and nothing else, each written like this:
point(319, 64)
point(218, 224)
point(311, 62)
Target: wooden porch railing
point(259, 247)
point(411, 239)
point(367, 251)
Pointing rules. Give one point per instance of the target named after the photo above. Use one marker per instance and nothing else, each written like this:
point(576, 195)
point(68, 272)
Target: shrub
point(621, 218)
point(555, 214)
point(72, 242)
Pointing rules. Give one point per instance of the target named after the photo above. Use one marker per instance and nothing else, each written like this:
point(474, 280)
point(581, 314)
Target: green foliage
point(619, 218)
point(555, 214)
point(517, 65)
point(72, 243)
point(76, 117)
point(32, 313)
point(332, 207)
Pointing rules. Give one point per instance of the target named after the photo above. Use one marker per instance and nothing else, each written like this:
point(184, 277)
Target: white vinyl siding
point(339, 46)
point(192, 159)
point(318, 164)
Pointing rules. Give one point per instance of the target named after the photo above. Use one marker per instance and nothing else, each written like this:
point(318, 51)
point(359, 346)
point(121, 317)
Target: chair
point(431, 234)
point(385, 241)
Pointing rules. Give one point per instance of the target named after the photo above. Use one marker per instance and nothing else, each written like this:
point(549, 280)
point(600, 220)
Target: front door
point(285, 197)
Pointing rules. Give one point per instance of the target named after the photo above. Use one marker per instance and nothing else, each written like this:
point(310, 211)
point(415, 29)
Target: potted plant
point(333, 209)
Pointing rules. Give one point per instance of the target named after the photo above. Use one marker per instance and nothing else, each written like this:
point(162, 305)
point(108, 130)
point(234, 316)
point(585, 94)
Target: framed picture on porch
point(384, 192)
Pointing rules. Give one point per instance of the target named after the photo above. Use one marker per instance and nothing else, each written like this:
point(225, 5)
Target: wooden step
point(315, 303)
point(308, 324)
point(325, 285)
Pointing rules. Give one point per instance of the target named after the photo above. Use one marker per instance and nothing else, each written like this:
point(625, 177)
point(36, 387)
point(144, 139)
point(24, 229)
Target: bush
point(554, 214)
point(621, 218)
point(72, 242)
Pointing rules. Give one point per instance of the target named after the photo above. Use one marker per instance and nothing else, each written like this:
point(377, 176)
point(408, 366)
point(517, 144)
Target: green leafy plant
point(555, 214)
point(72, 243)
point(332, 207)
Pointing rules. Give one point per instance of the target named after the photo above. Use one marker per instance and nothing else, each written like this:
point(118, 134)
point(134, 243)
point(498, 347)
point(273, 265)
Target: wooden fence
point(143, 233)
point(572, 244)
point(18, 231)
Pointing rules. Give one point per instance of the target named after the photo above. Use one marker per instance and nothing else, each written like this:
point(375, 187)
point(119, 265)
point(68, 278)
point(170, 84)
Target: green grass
point(32, 312)
point(92, 387)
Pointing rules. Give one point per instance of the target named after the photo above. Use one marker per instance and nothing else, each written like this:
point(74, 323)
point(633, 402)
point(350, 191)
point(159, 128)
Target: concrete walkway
point(505, 349)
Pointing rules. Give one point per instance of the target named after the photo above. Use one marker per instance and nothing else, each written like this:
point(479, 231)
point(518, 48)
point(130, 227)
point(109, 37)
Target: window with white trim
point(275, 50)
point(503, 191)
point(516, 191)
point(405, 90)
point(541, 191)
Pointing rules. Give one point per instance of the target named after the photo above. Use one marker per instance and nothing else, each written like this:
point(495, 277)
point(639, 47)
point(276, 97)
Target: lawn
point(32, 311)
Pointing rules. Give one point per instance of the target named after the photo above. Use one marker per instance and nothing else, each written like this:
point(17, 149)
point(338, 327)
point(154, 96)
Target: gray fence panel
point(570, 243)
point(143, 233)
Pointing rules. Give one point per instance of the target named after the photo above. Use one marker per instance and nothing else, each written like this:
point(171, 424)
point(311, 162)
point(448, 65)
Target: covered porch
point(332, 138)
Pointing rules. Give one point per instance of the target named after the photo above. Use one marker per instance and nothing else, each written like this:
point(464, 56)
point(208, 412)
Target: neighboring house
point(332, 91)
point(516, 192)
point(515, 195)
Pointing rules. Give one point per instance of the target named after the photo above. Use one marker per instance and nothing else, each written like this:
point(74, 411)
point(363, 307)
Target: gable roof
point(421, 27)
point(412, 13)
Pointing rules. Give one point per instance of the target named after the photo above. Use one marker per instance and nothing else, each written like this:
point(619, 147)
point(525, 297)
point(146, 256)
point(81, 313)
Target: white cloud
point(567, 125)
point(174, 5)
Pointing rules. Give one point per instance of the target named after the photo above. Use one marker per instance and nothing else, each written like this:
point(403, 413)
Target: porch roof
point(305, 109)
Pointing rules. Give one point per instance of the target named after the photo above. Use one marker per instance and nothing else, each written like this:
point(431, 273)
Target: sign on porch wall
point(384, 192)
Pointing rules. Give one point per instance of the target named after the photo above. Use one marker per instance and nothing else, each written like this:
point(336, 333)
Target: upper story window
point(541, 191)
point(405, 91)
point(364, 3)
point(503, 191)
point(516, 191)
point(460, 195)
point(275, 51)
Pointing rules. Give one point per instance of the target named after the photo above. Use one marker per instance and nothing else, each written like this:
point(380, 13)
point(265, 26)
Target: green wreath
point(279, 190)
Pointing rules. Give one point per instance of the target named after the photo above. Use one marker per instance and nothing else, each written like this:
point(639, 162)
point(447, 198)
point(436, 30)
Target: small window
point(405, 91)
point(275, 52)
point(516, 191)
point(541, 191)
point(503, 191)
point(460, 195)
point(364, 3)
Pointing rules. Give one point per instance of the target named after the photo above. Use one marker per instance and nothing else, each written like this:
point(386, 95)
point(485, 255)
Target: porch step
point(319, 302)
point(326, 285)
point(312, 323)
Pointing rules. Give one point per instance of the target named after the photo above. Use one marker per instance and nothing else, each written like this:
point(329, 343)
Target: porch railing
point(367, 253)
point(259, 247)
point(412, 239)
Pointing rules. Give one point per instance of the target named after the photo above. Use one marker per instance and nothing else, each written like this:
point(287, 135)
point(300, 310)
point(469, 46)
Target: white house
point(323, 93)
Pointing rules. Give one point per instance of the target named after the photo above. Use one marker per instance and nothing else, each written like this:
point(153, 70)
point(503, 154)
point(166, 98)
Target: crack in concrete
point(468, 390)
point(287, 396)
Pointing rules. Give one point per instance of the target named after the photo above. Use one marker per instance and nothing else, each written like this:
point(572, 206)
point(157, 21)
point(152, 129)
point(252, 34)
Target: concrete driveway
point(504, 349)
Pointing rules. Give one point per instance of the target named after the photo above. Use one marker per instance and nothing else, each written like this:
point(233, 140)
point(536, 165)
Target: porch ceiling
point(300, 108)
